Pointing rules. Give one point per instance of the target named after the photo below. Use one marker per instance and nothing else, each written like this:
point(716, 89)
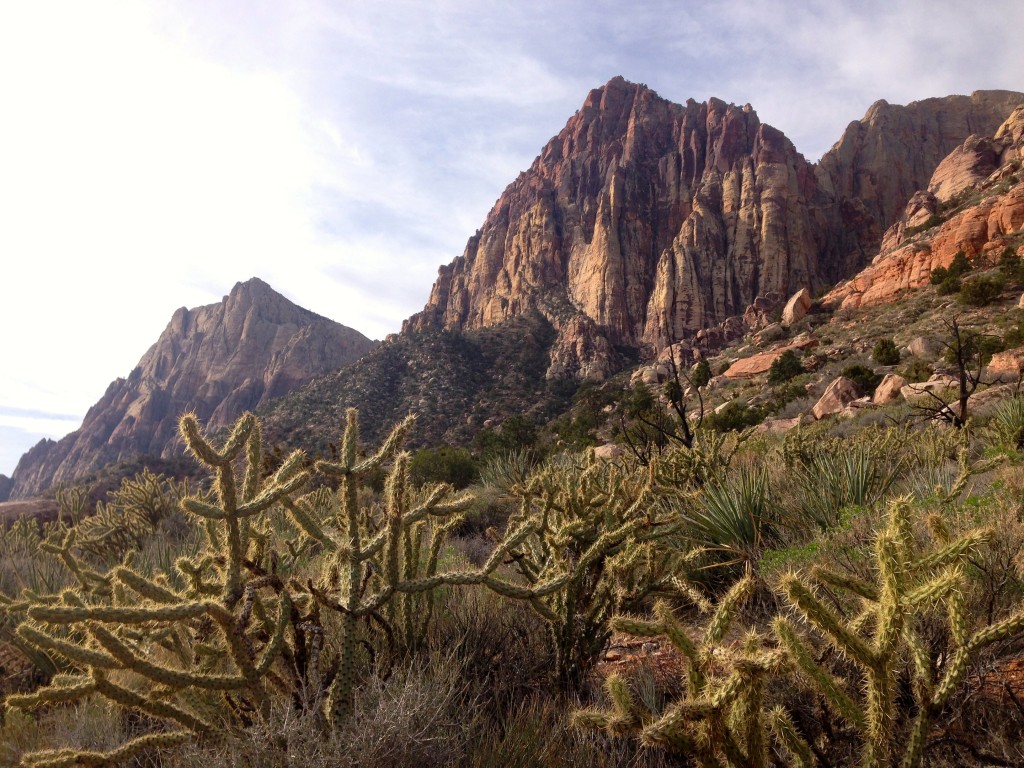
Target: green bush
point(980, 292)
point(885, 352)
point(785, 367)
point(733, 417)
point(932, 221)
point(916, 370)
point(1010, 267)
point(948, 276)
point(865, 378)
point(444, 464)
point(949, 285)
point(701, 374)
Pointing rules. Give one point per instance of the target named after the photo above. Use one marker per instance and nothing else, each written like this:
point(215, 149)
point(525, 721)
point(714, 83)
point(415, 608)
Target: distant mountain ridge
point(645, 221)
point(218, 360)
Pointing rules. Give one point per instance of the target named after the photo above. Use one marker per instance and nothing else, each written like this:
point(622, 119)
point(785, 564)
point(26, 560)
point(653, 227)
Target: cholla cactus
point(383, 565)
point(174, 654)
point(913, 581)
point(592, 546)
point(722, 715)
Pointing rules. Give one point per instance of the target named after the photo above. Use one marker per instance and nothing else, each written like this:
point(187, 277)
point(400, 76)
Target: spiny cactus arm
point(200, 508)
point(671, 730)
point(924, 675)
point(276, 643)
point(274, 493)
point(936, 589)
point(829, 686)
point(605, 544)
point(726, 611)
point(71, 651)
point(827, 622)
point(108, 614)
point(67, 758)
point(637, 627)
point(253, 464)
point(245, 428)
point(454, 578)
point(194, 573)
point(846, 582)
point(55, 694)
point(956, 552)
point(163, 675)
point(593, 718)
point(151, 705)
point(300, 513)
point(388, 448)
point(785, 732)
point(239, 645)
point(504, 548)
point(146, 588)
point(188, 426)
point(436, 506)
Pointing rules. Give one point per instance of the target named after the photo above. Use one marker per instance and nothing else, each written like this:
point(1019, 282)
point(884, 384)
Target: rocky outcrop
point(837, 395)
point(796, 308)
point(219, 361)
point(974, 203)
point(5, 488)
point(656, 220)
point(893, 151)
point(888, 390)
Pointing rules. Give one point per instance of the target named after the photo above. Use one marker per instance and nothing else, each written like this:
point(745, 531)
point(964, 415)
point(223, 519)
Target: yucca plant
point(733, 517)
point(1005, 429)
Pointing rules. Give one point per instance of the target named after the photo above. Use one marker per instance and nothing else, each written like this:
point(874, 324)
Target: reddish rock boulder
point(840, 393)
point(888, 391)
point(797, 306)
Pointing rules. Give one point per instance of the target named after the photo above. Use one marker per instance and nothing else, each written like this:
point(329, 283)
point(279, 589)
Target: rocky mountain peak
point(644, 221)
point(218, 360)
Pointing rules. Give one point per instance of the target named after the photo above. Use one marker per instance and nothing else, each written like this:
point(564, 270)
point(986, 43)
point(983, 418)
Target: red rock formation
point(986, 171)
point(219, 360)
point(655, 220)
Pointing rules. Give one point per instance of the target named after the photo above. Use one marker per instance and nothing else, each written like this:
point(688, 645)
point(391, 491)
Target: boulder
point(925, 348)
point(888, 391)
point(608, 451)
point(1006, 365)
point(772, 425)
point(797, 306)
point(840, 393)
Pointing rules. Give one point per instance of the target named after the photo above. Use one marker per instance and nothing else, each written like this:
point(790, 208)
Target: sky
point(153, 154)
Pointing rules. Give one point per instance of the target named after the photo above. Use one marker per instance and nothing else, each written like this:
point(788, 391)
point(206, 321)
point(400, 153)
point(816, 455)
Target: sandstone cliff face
point(978, 193)
point(646, 221)
point(219, 360)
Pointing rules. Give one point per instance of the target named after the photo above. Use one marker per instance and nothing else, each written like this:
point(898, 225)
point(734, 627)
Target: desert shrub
point(865, 378)
point(1010, 267)
point(444, 464)
point(785, 367)
point(735, 416)
point(701, 374)
point(885, 352)
point(916, 370)
point(980, 291)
